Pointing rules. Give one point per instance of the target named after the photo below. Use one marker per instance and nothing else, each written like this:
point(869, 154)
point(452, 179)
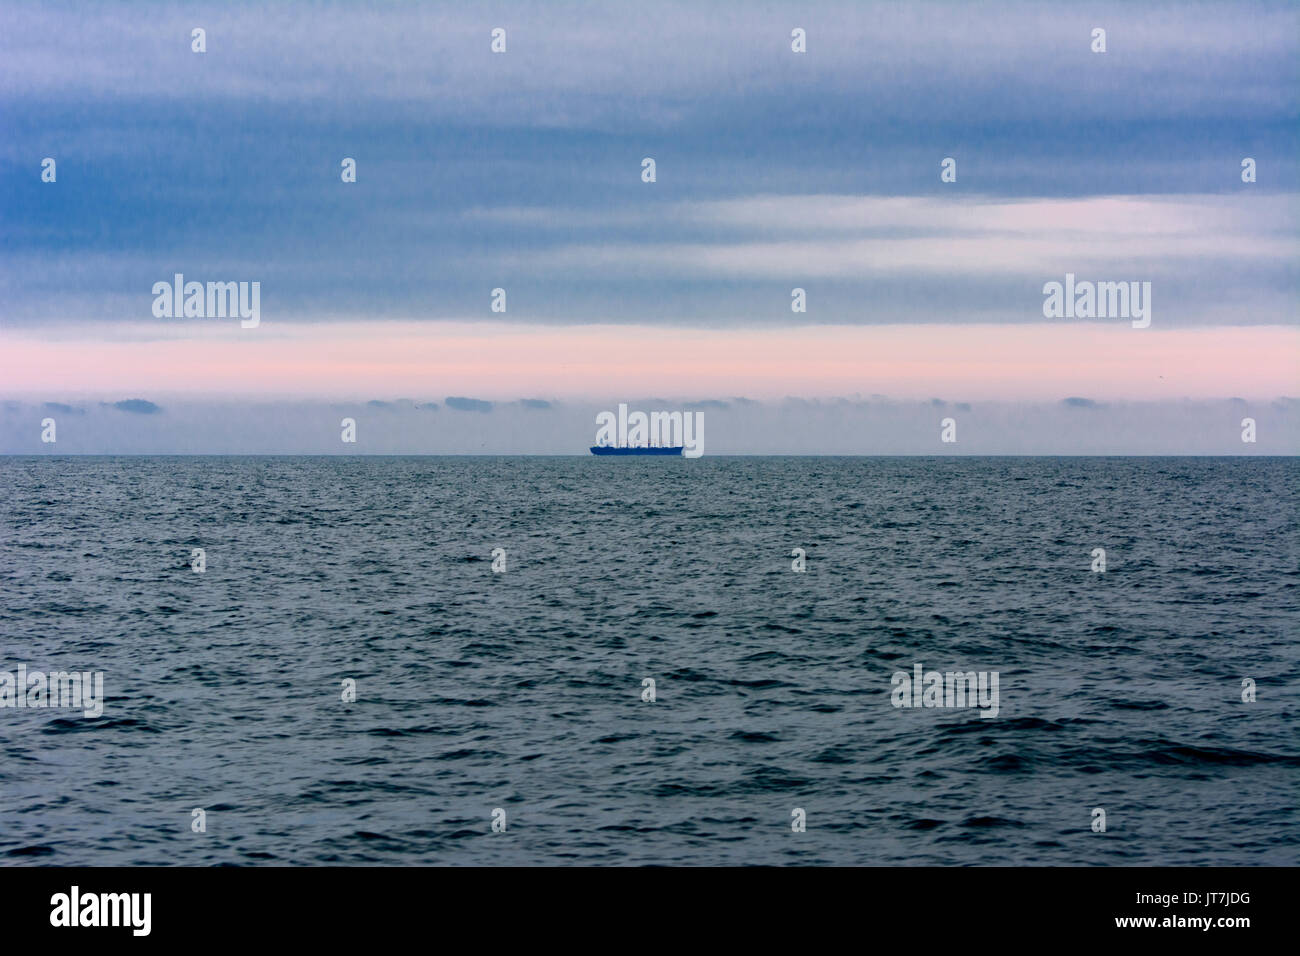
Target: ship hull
point(616, 450)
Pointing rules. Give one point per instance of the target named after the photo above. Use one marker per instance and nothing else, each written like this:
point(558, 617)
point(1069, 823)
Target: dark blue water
point(522, 690)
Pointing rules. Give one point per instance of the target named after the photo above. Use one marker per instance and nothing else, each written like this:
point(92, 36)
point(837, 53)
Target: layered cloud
point(497, 361)
point(522, 172)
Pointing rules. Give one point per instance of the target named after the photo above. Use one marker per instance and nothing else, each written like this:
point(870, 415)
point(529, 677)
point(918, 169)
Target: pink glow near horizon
point(503, 361)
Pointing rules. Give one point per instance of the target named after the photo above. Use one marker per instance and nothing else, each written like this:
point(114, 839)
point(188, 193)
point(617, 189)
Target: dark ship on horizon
point(637, 449)
point(657, 433)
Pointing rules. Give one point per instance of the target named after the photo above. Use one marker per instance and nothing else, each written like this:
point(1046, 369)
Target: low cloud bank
point(1073, 425)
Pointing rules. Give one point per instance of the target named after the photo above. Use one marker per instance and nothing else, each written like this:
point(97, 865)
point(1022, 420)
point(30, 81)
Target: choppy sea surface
point(522, 690)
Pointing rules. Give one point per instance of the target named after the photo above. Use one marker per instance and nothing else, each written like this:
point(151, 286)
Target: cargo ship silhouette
point(636, 449)
point(657, 433)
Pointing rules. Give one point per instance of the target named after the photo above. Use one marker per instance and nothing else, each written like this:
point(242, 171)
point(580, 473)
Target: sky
point(774, 171)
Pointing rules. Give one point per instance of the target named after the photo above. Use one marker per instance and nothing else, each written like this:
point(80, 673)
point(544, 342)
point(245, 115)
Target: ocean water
point(522, 690)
